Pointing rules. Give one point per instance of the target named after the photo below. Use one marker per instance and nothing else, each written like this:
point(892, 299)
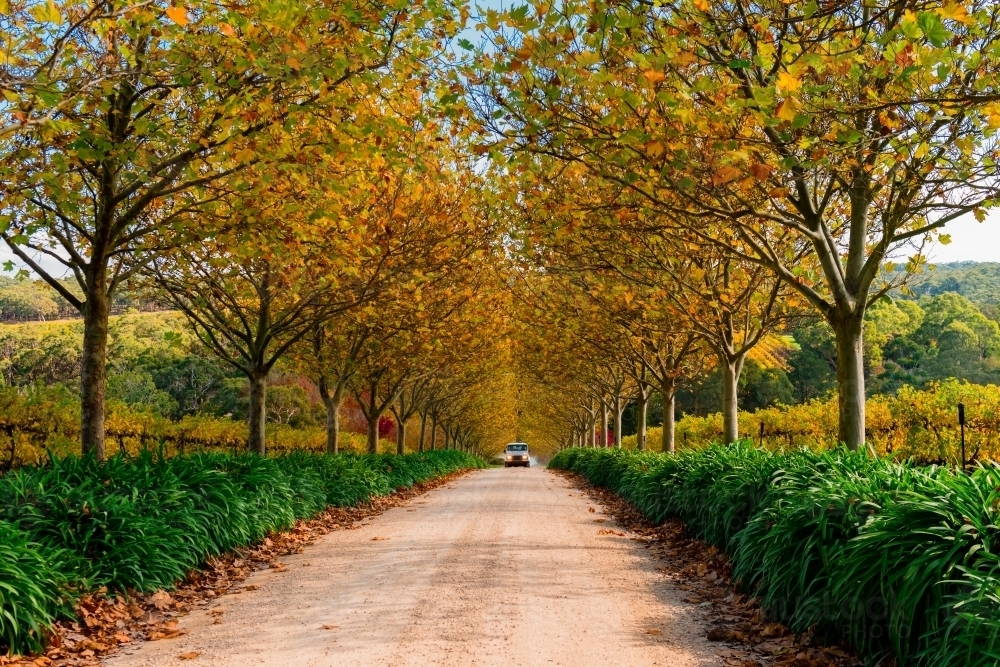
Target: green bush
point(143, 524)
point(894, 559)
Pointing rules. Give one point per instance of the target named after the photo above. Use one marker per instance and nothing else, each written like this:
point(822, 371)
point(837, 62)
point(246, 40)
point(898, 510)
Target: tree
point(43, 70)
point(253, 292)
point(850, 131)
point(188, 99)
point(336, 346)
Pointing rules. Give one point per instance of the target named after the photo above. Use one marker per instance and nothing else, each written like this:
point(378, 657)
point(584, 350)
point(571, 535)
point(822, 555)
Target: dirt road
point(501, 567)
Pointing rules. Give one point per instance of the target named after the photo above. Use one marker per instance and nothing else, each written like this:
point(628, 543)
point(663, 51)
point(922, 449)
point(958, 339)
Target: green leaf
point(739, 63)
point(466, 44)
point(933, 29)
point(518, 14)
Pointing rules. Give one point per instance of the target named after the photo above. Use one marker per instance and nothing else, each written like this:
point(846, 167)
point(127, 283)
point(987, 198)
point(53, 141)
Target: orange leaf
point(761, 171)
point(178, 15)
point(724, 175)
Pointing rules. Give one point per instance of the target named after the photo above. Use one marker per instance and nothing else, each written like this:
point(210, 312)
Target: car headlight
point(510, 458)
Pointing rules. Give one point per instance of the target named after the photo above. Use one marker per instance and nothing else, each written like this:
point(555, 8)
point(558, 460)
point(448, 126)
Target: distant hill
point(977, 281)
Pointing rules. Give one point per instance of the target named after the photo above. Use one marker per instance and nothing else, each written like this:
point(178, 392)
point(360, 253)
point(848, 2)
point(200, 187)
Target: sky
point(970, 241)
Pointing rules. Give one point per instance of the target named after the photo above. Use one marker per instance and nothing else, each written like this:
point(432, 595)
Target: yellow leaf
point(992, 113)
point(955, 11)
point(788, 83)
point(702, 5)
point(47, 13)
point(178, 15)
point(654, 149)
point(4, 7)
point(787, 109)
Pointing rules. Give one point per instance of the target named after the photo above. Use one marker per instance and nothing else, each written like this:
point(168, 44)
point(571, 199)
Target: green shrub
point(33, 589)
point(143, 524)
point(895, 559)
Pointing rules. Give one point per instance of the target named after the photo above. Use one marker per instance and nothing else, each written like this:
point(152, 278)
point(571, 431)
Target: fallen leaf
point(654, 631)
point(190, 655)
point(251, 587)
point(161, 600)
point(328, 627)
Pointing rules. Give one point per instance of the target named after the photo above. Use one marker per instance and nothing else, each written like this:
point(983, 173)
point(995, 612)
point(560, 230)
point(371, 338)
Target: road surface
point(502, 567)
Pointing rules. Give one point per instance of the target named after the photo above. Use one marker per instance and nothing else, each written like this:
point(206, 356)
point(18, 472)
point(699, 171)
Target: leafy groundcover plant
point(142, 524)
point(894, 559)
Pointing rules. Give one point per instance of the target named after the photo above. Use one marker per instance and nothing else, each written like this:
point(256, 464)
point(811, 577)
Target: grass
point(896, 560)
point(142, 524)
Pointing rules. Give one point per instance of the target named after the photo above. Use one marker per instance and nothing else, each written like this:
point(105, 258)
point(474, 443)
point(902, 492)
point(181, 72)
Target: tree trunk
point(92, 377)
point(333, 428)
point(332, 404)
point(400, 436)
point(373, 434)
point(669, 394)
point(593, 430)
point(850, 382)
point(604, 423)
point(731, 371)
point(618, 421)
point(447, 437)
point(258, 414)
point(640, 436)
point(423, 431)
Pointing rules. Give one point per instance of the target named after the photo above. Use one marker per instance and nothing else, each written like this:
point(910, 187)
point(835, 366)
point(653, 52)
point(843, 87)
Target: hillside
point(977, 281)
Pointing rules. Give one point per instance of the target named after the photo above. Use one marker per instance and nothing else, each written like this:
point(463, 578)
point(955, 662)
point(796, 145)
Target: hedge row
point(36, 422)
point(893, 559)
point(75, 525)
point(920, 424)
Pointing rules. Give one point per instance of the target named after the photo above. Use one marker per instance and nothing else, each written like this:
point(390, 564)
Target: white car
point(516, 454)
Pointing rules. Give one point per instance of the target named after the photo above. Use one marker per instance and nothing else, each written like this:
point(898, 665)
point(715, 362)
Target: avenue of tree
point(598, 204)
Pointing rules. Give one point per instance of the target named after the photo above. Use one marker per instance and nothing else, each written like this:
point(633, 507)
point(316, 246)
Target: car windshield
point(517, 448)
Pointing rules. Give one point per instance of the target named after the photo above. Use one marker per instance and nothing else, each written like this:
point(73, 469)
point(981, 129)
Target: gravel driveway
point(500, 567)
